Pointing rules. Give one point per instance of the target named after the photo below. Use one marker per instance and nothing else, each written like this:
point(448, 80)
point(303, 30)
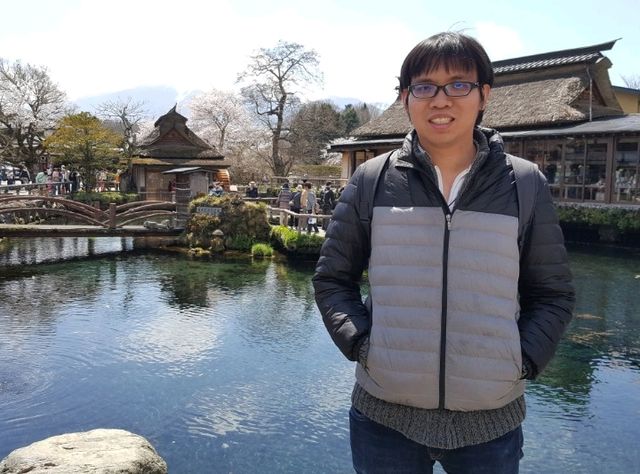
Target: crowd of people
point(58, 180)
point(304, 199)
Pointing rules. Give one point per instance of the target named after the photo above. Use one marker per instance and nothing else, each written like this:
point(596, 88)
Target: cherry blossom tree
point(30, 105)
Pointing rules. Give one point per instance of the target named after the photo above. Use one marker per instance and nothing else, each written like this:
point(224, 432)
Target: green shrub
point(289, 241)
point(622, 219)
point(239, 242)
point(262, 250)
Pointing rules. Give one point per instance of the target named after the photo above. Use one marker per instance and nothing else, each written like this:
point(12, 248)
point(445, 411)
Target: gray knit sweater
point(442, 429)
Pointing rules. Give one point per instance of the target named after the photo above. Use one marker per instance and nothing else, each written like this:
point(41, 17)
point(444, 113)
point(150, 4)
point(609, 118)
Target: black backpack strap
point(527, 181)
point(367, 186)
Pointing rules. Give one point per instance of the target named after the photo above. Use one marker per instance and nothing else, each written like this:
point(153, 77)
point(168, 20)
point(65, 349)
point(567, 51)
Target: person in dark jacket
point(328, 202)
point(295, 206)
point(284, 196)
point(252, 190)
point(458, 314)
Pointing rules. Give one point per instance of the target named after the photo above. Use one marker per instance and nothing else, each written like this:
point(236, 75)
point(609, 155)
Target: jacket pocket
point(363, 350)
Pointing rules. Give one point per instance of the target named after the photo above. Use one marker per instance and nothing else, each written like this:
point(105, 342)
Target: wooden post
point(112, 215)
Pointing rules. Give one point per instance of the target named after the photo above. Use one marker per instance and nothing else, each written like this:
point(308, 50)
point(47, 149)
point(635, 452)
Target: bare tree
point(632, 81)
point(129, 114)
point(273, 74)
point(30, 105)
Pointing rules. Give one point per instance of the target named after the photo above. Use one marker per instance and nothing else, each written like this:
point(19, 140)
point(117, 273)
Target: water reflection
point(222, 364)
point(606, 325)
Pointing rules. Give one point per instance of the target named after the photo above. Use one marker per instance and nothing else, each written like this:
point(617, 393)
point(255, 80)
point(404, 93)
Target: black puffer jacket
point(546, 294)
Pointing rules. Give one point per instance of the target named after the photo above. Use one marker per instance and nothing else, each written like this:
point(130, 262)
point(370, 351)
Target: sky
point(92, 48)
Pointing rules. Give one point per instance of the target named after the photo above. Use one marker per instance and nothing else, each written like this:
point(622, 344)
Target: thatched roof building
point(560, 95)
point(172, 146)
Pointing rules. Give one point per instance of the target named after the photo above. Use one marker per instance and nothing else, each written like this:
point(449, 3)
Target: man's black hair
point(451, 50)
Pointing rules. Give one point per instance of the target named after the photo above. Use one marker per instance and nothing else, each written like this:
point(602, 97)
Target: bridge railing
point(115, 216)
point(22, 189)
point(301, 218)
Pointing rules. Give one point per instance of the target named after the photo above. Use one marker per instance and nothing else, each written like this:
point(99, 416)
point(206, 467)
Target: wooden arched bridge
point(85, 220)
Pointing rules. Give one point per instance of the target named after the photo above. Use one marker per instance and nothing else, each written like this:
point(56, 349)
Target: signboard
point(211, 211)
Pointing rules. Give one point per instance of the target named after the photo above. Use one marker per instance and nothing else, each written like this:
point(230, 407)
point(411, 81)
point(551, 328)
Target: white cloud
point(500, 42)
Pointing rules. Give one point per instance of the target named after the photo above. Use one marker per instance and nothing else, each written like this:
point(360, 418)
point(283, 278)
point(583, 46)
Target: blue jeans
point(378, 449)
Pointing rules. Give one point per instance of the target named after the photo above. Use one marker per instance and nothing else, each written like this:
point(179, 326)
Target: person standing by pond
point(284, 196)
point(328, 201)
point(458, 316)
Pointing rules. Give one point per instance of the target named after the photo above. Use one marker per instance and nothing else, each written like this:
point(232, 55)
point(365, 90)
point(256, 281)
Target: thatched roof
point(393, 121)
point(171, 138)
point(544, 102)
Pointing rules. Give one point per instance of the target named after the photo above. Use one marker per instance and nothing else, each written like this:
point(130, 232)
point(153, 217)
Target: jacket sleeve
point(547, 296)
point(343, 258)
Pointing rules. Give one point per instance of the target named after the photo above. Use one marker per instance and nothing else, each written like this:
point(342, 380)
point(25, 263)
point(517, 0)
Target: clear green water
point(226, 367)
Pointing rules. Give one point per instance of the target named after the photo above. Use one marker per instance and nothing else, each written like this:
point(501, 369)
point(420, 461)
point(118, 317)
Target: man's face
point(442, 122)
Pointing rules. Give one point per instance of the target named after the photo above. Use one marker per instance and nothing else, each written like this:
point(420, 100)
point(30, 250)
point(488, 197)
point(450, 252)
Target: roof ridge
point(597, 48)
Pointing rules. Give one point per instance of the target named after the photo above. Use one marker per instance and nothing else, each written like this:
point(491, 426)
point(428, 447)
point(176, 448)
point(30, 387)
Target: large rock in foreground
point(98, 452)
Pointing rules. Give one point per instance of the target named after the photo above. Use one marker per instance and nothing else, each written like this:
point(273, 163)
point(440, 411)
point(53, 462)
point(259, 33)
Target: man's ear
point(486, 92)
point(404, 97)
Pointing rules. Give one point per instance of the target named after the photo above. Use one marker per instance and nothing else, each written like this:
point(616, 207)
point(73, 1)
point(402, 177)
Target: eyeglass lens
point(453, 89)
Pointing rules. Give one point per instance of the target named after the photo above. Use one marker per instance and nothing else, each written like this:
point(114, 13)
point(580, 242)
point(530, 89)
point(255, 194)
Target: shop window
point(574, 171)
point(595, 172)
point(553, 168)
point(625, 179)
point(513, 148)
point(534, 152)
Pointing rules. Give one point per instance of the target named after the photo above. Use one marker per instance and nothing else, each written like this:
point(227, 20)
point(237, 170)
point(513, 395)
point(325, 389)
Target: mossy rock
point(243, 223)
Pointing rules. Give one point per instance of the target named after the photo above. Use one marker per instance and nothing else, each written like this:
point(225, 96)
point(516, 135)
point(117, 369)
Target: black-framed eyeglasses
point(426, 90)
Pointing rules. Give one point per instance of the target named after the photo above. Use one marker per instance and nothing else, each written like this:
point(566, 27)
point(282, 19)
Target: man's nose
point(440, 99)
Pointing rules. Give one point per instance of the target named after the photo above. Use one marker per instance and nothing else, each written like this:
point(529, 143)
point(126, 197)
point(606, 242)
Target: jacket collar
point(488, 142)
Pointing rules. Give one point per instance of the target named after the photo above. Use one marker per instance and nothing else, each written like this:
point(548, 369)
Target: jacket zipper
point(448, 215)
point(443, 315)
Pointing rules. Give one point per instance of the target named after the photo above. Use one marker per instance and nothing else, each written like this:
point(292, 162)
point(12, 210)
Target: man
point(311, 206)
point(328, 201)
point(457, 316)
point(284, 196)
point(252, 190)
point(295, 206)
point(304, 194)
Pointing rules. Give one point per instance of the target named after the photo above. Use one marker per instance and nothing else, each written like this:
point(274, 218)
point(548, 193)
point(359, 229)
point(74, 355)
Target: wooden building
point(628, 98)
point(557, 109)
point(169, 150)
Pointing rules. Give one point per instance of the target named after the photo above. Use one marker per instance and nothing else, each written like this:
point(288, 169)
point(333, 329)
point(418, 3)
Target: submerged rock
point(98, 451)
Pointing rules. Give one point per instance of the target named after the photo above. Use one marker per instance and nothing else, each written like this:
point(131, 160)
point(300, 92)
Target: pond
point(227, 367)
